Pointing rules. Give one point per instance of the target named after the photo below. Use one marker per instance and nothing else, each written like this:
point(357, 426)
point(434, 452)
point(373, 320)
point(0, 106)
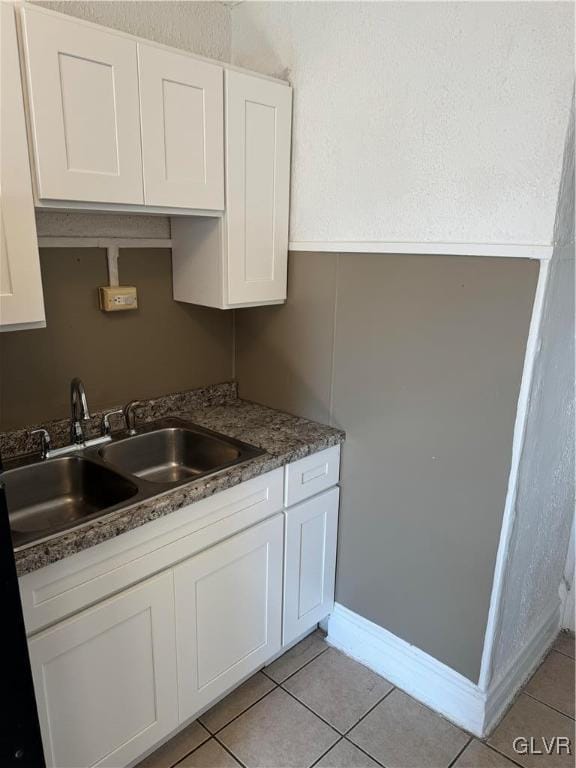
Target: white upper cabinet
point(85, 113)
point(21, 300)
point(120, 123)
point(181, 102)
point(241, 259)
point(258, 123)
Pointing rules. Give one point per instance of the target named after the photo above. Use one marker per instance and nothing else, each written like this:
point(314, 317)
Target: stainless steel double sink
point(49, 497)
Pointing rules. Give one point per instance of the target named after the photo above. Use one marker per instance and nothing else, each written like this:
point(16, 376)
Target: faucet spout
point(79, 410)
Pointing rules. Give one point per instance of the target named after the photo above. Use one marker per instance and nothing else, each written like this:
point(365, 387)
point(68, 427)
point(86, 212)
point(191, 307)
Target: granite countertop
point(284, 437)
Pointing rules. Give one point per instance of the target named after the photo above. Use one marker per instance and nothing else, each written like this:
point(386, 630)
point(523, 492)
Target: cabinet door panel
point(258, 116)
point(106, 680)
point(182, 130)
point(310, 563)
point(21, 298)
point(85, 114)
point(228, 613)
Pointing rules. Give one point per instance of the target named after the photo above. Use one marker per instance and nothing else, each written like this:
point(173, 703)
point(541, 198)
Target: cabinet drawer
point(63, 588)
point(311, 475)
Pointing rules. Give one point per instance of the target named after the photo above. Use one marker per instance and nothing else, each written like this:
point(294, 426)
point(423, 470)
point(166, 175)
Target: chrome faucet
point(130, 415)
point(79, 411)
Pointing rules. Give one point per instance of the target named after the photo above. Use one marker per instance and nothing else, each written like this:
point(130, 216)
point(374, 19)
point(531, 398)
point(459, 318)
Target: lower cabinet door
point(105, 680)
point(228, 613)
point(310, 563)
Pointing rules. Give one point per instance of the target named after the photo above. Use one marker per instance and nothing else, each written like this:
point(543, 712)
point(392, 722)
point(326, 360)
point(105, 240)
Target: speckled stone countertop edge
point(284, 437)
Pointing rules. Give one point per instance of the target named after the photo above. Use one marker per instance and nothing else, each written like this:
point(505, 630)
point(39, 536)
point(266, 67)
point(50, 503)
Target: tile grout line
point(345, 733)
point(555, 650)
point(558, 711)
point(465, 747)
point(341, 736)
point(361, 749)
point(187, 754)
point(295, 698)
point(326, 752)
point(368, 712)
point(498, 752)
point(263, 670)
point(232, 755)
point(203, 744)
point(219, 730)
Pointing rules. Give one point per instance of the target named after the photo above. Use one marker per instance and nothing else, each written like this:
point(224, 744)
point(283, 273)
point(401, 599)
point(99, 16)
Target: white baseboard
point(414, 671)
point(429, 680)
point(504, 688)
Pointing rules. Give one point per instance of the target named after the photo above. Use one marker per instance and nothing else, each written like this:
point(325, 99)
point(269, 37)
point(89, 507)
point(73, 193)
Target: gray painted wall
point(164, 346)
point(419, 358)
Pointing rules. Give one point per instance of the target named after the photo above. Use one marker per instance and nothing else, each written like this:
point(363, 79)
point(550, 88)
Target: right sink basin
point(175, 453)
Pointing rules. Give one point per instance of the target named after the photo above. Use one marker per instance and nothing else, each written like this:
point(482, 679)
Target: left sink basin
point(56, 495)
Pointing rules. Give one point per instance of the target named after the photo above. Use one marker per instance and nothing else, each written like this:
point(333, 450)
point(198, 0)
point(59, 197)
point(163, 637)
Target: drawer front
point(66, 587)
point(311, 475)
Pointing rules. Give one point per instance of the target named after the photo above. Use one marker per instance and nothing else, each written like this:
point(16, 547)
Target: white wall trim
point(430, 681)
point(527, 251)
point(567, 587)
point(103, 242)
point(504, 688)
point(532, 348)
point(414, 671)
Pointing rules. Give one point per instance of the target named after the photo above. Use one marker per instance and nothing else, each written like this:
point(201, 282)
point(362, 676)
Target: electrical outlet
point(117, 298)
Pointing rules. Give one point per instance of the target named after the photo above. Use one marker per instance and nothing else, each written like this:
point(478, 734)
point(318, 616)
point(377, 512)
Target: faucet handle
point(105, 428)
point(130, 415)
point(45, 444)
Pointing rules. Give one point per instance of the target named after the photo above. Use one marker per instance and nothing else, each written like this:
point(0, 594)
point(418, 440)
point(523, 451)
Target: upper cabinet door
point(182, 130)
point(83, 88)
point(21, 300)
point(258, 127)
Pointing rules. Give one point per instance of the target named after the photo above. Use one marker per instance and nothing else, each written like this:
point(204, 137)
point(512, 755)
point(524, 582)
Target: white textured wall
point(201, 27)
point(544, 508)
point(419, 121)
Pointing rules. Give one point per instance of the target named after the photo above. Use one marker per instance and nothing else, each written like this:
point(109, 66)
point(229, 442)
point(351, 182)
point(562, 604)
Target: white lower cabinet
point(228, 613)
point(105, 680)
point(115, 679)
point(310, 563)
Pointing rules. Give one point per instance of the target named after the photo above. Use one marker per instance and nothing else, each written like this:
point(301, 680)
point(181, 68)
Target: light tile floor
point(316, 707)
